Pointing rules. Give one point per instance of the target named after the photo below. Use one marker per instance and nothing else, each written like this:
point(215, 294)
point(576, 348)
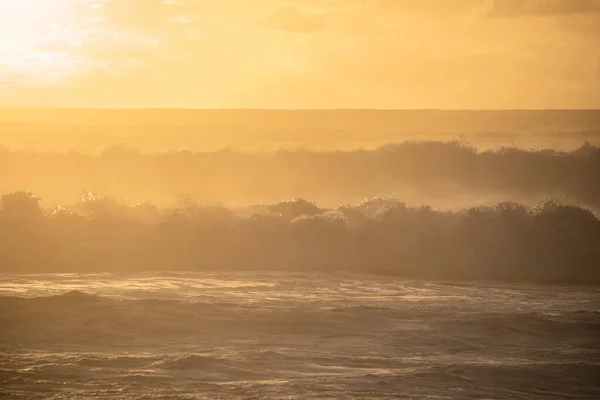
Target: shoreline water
point(286, 335)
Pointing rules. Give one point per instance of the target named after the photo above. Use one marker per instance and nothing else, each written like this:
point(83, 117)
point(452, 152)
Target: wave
point(361, 308)
point(530, 325)
point(551, 242)
point(526, 341)
point(525, 380)
point(80, 299)
point(211, 365)
point(76, 304)
point(442, 173)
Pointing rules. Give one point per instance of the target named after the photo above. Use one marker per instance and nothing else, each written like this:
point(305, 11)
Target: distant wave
point(442, 173)
point(550, 242)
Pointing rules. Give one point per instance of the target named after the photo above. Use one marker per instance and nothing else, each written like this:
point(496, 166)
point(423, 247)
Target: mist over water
point(445, 159)
point(444, 174)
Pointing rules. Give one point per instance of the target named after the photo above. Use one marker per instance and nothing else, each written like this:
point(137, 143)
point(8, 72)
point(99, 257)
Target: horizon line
point(70, 108)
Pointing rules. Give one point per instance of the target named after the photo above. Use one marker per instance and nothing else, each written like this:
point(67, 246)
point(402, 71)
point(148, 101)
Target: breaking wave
point(441, 173)
point(550, 242)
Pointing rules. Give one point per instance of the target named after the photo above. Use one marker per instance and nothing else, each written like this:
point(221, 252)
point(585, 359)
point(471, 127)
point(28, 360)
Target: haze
point(315, 199)
point(462, 54)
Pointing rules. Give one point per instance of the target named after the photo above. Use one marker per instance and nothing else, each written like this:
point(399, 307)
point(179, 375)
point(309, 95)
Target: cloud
point(24, 67)
point(294, 19)
point(153, 17)
point(181, 19)
point(427, 7)
point(99, 46)
point(541, 8)
point(103, 45)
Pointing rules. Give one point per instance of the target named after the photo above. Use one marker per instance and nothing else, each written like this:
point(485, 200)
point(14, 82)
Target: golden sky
point(301, 53)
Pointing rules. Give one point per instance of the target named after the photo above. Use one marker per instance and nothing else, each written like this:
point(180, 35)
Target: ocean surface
point(294, 336)
point(153, 130)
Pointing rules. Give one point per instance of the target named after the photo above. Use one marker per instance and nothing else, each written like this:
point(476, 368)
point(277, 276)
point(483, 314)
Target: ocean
point(285, 335)
point(155, 130)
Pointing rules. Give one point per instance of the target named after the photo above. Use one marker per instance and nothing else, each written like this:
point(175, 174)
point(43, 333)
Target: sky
point(387, 54)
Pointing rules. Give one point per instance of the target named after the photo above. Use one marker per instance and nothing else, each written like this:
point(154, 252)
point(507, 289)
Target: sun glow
point(22, 21)
point(16, 8)
point(24, 26)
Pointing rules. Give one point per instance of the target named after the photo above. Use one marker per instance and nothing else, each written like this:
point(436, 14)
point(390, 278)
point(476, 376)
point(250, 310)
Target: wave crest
point(445, 173)
point(550, 242)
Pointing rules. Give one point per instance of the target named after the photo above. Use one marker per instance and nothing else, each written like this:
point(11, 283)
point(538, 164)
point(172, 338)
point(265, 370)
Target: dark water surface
point(291, 335)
